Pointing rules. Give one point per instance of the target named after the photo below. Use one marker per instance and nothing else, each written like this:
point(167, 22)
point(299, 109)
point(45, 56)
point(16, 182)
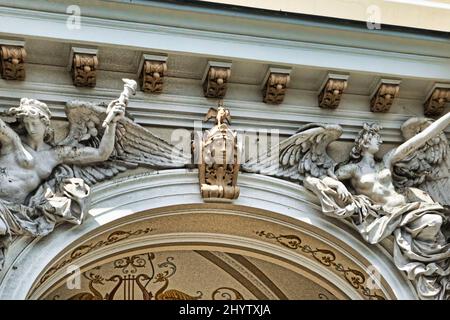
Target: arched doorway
point(272, 243)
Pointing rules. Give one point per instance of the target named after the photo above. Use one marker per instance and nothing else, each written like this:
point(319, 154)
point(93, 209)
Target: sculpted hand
point(117, 109)
point(343, 193)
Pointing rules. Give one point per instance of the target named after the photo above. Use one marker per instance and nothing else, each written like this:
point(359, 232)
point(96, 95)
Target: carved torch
point(129, 88)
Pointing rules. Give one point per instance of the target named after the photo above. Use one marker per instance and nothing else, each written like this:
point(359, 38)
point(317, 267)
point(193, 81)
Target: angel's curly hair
point(362, 140)
point(34, 108)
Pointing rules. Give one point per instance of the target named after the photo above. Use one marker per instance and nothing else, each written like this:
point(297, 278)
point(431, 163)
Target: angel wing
point(134, 145)
point(428, 167)
point(303, 154)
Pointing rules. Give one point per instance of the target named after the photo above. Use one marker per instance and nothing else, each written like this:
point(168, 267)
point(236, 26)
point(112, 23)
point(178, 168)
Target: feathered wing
point(134, 145)
point(428, 167)
point(303, 154)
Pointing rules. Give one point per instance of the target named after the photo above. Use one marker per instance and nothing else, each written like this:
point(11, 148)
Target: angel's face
point(35, 127)
point(373, 144)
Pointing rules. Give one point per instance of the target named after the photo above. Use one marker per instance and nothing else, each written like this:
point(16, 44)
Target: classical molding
point(275, 84)
point(383, 96)
point(265, 47)
point(331, 90)
point(12, 59)
point(436, 99)
point(215, 79)
point(118, 203)
point(218, 155)
point(157, 110)
point(152, 70)
point(83, 64)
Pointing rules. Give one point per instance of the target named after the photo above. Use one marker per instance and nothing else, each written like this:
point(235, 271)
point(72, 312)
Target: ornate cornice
point(275, 84)
point(151, 73)
point(215, 79)
point(385, 93)
point(331, 91)
point(438, 96)
point(12, 60)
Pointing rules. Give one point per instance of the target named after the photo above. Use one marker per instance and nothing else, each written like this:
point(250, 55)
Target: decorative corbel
point(331, 91)
point(152, 70)
point(275, 84)
point(384, 94)
point(83, 64)
point(218, 158)
point(215, 79)
point(436, 99)
point(12, 60)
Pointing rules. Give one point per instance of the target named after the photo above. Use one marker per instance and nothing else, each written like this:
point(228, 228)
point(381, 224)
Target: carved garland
point(327, 258)
point(434, 106)
point(82, 250)
point(12, 62)
point(275, 87)
point(331, 92)
point(384, 97)
point(215, 80)
point(84, 70)
point(152, 76)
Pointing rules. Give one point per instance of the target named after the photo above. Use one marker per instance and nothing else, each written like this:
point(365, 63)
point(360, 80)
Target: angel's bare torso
point(27, 161)
point(16, 182)
point(374, 182)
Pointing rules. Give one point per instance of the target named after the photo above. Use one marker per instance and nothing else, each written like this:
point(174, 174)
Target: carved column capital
point(12, 60)
point(218, 154)
point(83, 66)
point(152, 71)
point(437, 97)
point(275, 84)
point(331, 91)
point(385, 93)
point(215, 79)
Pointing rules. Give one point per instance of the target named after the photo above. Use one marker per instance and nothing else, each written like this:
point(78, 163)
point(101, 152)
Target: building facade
point(156, 215)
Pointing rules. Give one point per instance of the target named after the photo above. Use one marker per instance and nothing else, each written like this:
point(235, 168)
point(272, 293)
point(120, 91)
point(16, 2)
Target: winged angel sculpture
point(43, 183)
point(380, 198)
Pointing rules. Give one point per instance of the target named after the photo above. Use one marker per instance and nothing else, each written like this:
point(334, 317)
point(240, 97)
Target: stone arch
point(273, 221)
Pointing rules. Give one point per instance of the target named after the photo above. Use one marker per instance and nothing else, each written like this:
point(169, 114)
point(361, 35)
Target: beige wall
point(424, 14)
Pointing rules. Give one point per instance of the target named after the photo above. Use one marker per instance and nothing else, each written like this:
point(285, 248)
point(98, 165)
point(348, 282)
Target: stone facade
point(292, 99)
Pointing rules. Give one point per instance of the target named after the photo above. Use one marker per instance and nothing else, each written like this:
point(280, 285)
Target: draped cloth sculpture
point(362, 191)
point(43, 183)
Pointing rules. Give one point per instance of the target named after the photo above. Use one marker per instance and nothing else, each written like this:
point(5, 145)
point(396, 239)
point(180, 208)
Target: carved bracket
point(215, 79)
point(331, 91)
point(83, 64)
point(151, 72)
point(12, 60)
point(384, 95)
point(438, 96)
point(218, 159)
point(275, 84)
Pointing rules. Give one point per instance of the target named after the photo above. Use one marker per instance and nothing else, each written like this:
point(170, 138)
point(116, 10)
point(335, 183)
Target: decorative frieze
point(383, 96)
point(275, 84)
point(331, 91)
point(151, 72)
point(215, 79)
point(83, 65)
point(12, 60)
point(218, 166)
point(436, 99)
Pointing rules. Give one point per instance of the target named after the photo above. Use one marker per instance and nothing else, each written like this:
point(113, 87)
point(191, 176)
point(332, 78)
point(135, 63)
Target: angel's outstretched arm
point(9, 139)
point(86, 155)
point(419, 139)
